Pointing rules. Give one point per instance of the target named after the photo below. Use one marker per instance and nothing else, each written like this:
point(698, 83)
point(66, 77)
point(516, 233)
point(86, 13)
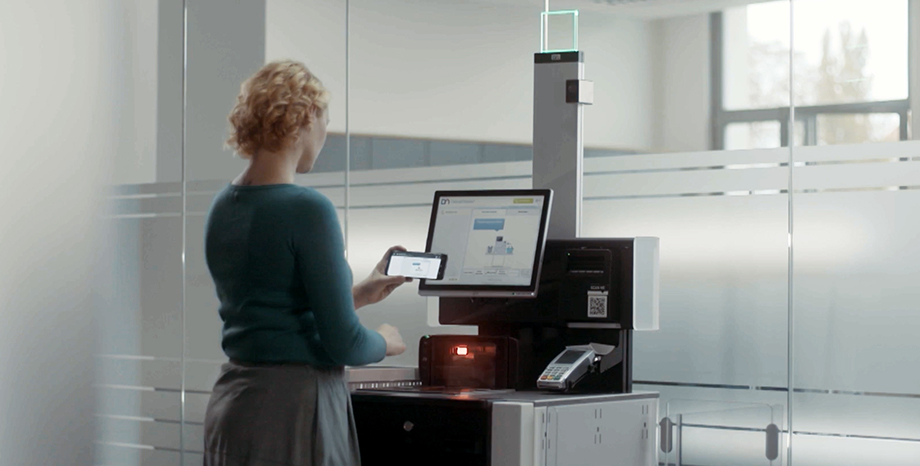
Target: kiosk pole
point(560, 93)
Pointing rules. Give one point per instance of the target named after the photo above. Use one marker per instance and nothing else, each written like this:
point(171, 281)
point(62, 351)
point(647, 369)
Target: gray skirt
point(290, 415)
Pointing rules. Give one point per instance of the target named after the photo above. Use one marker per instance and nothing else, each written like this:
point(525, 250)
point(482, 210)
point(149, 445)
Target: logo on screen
point(445, 201)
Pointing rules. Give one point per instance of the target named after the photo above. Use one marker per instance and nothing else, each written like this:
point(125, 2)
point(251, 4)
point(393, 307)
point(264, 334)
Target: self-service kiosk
point(548, 378)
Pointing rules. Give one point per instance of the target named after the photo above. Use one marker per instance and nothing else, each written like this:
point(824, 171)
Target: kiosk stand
point(563, 358)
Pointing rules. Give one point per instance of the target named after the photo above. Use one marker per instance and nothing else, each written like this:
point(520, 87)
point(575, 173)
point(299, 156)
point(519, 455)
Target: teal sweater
point(277, 258)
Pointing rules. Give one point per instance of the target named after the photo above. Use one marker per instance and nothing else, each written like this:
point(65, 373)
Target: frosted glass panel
point(723, 286)
point(689, 398)
point(857, 269)
point(723, 228)
point(811, 450)
point(719, 357)
point(122, 401)
point(192, 458)
point(113, 454)
point(138, 365)
point(200, 374)
point(728, 435)
point(195, 407)
point(152, 433)
point(202, 323)
point(145, 315)
point(716, 446)
point(856, 304)
point(139, 372)
point(880, 415)
point(720, 425)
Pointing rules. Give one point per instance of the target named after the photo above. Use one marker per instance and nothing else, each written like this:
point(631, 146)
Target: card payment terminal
point(571, 365)
point(567, 369)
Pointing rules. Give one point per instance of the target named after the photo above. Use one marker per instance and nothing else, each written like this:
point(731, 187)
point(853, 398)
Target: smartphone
point(417, 264)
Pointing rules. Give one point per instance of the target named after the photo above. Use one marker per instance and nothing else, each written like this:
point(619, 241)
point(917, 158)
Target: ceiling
point(632, 8)
point(659, 8)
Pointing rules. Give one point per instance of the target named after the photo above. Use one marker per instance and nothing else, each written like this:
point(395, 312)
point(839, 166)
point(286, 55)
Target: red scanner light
point(461, 350)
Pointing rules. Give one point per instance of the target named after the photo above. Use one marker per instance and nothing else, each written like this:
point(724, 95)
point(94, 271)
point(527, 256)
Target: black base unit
point(412, 431)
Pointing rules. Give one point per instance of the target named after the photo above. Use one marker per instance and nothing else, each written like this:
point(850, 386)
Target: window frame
point(721, 118)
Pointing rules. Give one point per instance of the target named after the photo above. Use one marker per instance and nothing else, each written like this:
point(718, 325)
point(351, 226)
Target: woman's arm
point(320, 253)
point(378, 285)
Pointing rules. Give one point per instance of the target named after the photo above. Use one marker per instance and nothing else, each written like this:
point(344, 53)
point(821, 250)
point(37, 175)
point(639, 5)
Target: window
point(850, 73)
point(754, 135)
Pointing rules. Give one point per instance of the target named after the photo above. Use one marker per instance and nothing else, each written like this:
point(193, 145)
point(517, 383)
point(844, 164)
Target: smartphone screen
point(416, 265)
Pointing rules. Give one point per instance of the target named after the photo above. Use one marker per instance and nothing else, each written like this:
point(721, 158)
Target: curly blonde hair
point(273, 105)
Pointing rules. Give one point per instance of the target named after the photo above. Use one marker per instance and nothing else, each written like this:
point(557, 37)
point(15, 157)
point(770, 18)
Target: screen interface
point(414, 265)
point(490, 240)
point(569, 357)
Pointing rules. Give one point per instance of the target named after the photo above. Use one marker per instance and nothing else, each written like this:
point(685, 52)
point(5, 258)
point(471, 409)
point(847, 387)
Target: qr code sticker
point(597, 305)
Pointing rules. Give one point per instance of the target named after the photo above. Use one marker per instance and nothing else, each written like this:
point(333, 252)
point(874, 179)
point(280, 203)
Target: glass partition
point(712, 185)
point(440, 98)
point(699, 109)
point(856, 396)
point(698, 432)
point(851, 70)
point(226, 43)
point(139, 351)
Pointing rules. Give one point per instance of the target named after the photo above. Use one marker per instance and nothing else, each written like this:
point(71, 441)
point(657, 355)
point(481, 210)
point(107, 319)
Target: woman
point(276, 254)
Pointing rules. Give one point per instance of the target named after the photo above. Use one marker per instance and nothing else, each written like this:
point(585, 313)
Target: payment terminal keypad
point(554, 372)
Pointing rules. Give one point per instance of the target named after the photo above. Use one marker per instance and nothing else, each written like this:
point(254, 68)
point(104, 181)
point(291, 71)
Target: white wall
point(61, 96)
point(311, 31)
point(914, 65)
point(682, 84)
point(137, 158)
point(461, 71)
point(150, 143)
point(619, 55)
point(225, 47)
point(170, 79)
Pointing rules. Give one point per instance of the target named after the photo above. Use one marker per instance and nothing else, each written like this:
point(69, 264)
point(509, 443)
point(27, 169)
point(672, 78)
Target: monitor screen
point(493, 240)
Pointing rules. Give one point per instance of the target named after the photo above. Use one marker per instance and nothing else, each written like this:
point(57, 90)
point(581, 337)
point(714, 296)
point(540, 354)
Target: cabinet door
point(619, 433)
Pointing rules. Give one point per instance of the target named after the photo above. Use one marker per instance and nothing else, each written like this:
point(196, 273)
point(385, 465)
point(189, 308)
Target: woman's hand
point(395, 344)
point(377, 285)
